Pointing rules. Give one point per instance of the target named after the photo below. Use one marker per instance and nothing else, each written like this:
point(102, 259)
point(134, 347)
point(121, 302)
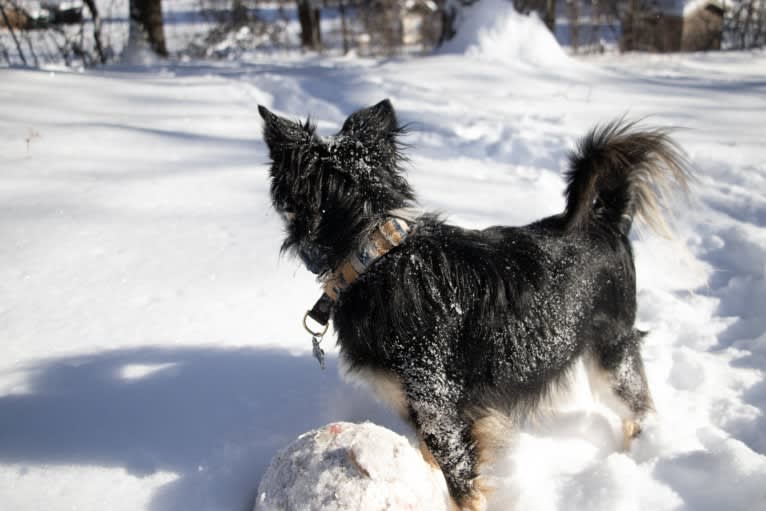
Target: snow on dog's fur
point(472, 323)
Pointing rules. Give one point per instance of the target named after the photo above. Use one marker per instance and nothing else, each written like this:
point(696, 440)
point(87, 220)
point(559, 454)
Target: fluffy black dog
point(456, 326)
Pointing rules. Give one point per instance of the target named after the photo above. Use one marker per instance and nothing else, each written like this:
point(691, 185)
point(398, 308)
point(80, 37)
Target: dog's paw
point(630, 430)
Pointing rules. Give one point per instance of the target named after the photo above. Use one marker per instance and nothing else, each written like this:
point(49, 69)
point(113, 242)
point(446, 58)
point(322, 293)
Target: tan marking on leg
point(427, 456)
point(490, 432)
point(630, 430)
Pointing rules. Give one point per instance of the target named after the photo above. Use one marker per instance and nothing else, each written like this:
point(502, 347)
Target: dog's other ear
point(374, 121)
point(279, 133)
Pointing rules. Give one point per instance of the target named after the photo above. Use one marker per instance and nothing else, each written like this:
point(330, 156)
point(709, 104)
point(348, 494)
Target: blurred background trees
point(146, 25)
point(89, 32)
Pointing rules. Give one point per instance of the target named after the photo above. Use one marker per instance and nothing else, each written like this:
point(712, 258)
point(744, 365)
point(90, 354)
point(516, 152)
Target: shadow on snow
point(215, 417)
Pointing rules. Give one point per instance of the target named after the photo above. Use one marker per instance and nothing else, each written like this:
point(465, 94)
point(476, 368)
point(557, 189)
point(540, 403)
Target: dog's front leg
point(435, 413)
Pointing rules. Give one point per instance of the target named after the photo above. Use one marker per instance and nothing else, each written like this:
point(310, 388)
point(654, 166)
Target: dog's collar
point(381, 240)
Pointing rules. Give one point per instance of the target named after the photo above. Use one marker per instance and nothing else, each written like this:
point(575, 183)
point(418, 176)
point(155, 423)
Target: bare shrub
point(55, 33)
point(702, 29)
point(646, 28)
point(236, 29)
point(745, 24)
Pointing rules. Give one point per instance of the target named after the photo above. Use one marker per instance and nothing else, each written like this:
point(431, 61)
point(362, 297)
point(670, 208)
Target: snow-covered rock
point(346, 466)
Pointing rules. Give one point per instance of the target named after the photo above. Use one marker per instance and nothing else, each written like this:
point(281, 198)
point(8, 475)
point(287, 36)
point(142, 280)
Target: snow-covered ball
point(351, 467)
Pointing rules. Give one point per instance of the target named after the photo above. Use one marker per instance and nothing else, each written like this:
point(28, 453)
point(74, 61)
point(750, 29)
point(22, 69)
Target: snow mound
point(493, 30)
point(345, 466)
point(138, 51)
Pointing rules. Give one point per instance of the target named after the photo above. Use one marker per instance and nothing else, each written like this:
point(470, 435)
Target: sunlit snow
point(152, 349)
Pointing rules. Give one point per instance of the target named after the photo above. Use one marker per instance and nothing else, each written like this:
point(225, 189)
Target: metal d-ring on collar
point(318, 334)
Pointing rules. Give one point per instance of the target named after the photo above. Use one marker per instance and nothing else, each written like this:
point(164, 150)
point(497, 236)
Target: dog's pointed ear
point(379, 119)
point(279, 133)
point(266, 114)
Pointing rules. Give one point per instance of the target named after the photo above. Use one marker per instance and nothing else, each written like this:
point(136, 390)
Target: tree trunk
point(96, 29)
point(309, 18)
point(146, 17)
point(9, 26)
point(573, 14)
point(448, 17)
point(344, 26)
point(550, 15)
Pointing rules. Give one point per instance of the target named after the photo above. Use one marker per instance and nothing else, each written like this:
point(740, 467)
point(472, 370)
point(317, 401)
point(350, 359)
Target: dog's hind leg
point(617, 378)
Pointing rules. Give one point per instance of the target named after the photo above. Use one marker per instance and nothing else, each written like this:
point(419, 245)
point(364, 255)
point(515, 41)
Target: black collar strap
point(388, 235)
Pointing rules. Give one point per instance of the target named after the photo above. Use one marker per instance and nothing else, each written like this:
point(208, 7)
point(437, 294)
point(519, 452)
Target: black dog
point(455, 326)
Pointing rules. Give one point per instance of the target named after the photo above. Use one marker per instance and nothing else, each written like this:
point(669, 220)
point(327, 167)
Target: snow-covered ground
point(151, 349)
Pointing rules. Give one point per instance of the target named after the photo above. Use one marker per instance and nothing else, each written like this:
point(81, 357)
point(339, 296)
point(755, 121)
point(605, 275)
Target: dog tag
point(318, 351)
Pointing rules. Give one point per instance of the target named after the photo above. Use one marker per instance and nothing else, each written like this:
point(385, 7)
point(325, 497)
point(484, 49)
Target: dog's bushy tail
point(619, 172)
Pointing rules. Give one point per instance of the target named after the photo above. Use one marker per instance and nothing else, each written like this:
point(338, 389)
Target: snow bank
point(493, 30)
point(345, 466)
point(138, 51)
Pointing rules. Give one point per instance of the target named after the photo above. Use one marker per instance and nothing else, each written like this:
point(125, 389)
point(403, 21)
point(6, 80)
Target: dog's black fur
point(469, 322)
